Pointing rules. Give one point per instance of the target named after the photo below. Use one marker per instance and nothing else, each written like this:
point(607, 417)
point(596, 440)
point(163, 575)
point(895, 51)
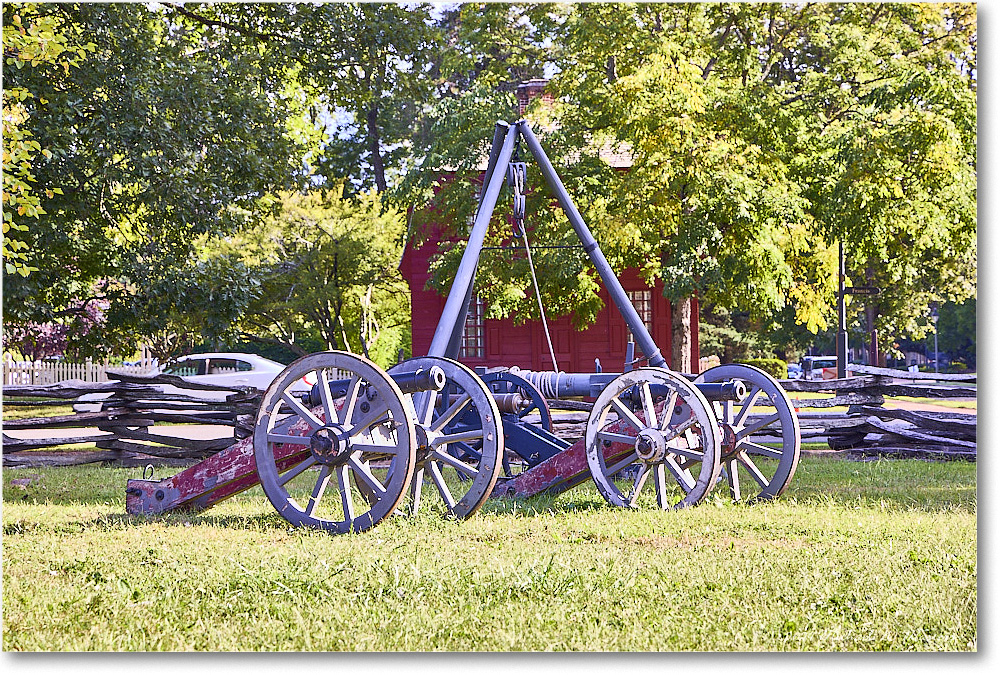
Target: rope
point(515, 178)
point(547, 382)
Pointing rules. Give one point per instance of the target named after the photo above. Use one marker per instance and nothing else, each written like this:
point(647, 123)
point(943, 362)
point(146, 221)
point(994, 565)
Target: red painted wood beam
point(562, 471)
point(215, 478)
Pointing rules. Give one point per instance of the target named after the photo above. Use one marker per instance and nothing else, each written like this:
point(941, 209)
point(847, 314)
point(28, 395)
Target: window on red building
point(474, 336)
point(643, 303)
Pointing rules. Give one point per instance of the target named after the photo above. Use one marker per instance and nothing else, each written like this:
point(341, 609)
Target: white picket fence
point(706, 362)
point(49, 372)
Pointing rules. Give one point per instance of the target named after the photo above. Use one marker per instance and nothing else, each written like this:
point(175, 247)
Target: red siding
point(525, 345)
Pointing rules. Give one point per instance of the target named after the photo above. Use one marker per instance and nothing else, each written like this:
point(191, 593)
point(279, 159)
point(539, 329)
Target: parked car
point(813, 367)
point(223, 369)
point(794, 371)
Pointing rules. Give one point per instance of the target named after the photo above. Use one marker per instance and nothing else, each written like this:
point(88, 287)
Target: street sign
point(863, 290)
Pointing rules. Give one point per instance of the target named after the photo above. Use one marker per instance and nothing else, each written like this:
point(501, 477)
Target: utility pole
point(934, 320)
point(841, 318)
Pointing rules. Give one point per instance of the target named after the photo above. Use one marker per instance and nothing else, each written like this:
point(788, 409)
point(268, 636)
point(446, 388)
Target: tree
point(892, 171)
point(159, 136)
point(35, 41)
point(957, 331)
point(368, 69)
point(327, 266)
point(762, 135)
point(35, 341)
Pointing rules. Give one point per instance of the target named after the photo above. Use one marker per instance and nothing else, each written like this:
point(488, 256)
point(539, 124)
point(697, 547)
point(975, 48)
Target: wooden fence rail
point(131, 405)
point(134, 403)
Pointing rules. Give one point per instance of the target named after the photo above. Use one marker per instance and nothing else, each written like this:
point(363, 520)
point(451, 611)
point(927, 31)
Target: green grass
point(968, 404)
point(856, 556)
point(20, 412)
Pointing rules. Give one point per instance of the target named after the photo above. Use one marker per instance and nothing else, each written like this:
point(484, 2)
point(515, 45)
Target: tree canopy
point(725, 148)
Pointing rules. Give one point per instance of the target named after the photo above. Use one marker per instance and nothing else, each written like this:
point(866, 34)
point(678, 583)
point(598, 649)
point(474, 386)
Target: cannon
point(364, 443)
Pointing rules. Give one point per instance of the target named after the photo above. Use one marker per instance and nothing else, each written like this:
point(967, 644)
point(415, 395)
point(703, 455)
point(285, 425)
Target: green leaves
point(323, 266)
point(32, 40)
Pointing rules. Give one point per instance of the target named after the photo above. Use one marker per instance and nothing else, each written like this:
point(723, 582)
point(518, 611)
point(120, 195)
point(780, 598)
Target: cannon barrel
point(422, 379)
point(573, 385)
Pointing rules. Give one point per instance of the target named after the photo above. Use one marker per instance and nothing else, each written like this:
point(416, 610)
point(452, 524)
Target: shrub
point(776, 368)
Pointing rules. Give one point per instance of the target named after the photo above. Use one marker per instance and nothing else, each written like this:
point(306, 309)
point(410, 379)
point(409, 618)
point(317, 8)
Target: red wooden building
point(492, 343)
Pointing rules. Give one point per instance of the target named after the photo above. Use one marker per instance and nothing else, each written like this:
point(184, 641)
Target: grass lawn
point(856, 556)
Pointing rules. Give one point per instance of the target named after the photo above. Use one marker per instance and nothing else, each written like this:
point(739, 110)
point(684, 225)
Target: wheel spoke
point(628, 415)
point(748, 403)
point(324, 394)
point(725, 409)
point(284, 424)
point(733, 478)
point(689, 454)
point(637, 484)
point(474, 434)
point(646, 396)
point(450, 413)
point(423, 406)
point(415, 488)
point(346, 501)
point(363, 471)
point(351, 399)
point(441, 486)
point(285, 439)
point(754, 471)
point(467, 450)
point(759, 424)
point(680, 429)
point(301, 410)
point(290, 475)
point(668, 410)
point(317, 491)
point(453, 462)
point(371, 418)
point(612, 437)
point(681, 475)
point(661, 487)
point(760, 450)
point(630, 458)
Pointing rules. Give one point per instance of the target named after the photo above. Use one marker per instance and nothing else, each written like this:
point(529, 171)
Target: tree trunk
point(680, 353)
point(375, 148)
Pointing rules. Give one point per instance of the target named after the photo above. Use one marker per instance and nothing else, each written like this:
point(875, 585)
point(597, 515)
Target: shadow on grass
point(898, 485)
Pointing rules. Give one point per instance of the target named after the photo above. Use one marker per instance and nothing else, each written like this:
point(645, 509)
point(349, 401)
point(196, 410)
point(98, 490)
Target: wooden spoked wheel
point(460, 442)
point(342, 463)
point(659, 427)
point(761, 437)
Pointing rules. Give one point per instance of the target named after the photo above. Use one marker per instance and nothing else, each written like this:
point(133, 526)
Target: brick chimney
point(529, 91)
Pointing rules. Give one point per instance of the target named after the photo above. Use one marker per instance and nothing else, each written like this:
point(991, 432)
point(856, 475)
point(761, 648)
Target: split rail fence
point(130, 407)
point(135, 403)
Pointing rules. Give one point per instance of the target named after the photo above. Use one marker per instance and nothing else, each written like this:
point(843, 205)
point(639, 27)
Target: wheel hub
point(728, 445)
point(330, 444)
point(650, 445)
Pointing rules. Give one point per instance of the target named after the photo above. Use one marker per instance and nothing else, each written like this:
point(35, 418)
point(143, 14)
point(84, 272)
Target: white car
point(225, 369)
point(218, 368)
